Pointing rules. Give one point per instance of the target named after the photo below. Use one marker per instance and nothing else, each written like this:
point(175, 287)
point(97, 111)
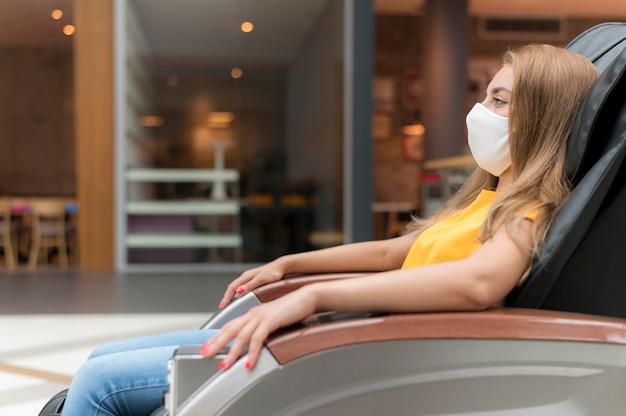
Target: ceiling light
point(416, 129)
point(247, 27)
point(69, 30)
point(220, 119)
point(151, 121)
point(236, 73)
point(57, 14)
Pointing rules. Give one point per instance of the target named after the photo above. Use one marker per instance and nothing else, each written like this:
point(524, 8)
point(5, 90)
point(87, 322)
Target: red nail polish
point(206, 350)
point(240, 290)
point(222, 365)
point(248, 365)
point(221, 305)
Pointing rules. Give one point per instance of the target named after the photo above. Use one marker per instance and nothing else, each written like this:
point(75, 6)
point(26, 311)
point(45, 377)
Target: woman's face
point(498, 94)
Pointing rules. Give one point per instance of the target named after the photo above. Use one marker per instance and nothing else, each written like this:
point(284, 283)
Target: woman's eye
point(499, 101)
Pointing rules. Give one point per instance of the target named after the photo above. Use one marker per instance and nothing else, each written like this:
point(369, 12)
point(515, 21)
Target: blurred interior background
point(214, 134)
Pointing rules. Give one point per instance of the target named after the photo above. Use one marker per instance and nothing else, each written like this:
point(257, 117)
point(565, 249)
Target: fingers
point(251, 333)
point(228, 296)
point(231, 289)
point(249, 280)
point(254, 348)
point(238, 347)
point(214, 345)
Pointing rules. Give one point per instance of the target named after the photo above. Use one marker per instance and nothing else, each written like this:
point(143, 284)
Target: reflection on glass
point(243, 168)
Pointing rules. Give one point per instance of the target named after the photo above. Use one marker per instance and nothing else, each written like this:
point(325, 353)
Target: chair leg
point(72, 248)
point(73, 253)
point(9, 256)
point(8, 252)
point(34, 253)
point(62, 248)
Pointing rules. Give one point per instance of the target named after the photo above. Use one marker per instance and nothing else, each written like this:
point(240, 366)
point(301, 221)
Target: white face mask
point(488, 139)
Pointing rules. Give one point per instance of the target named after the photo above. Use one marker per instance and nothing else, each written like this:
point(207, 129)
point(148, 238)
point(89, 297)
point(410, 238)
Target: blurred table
point(390, 223)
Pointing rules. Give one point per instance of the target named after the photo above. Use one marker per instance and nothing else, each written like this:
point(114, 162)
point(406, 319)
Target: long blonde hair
point(549, 84)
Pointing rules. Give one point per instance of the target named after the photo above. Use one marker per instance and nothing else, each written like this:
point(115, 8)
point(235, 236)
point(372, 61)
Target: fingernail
point(222, 365)
point(221, 305)
point(248, 365)
point(240, 290)
point(206, 349)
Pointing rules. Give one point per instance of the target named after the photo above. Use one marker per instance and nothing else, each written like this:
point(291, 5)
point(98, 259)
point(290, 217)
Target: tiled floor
point(50, 321)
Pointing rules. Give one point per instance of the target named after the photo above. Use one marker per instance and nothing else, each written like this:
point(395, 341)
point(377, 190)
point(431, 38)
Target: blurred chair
point(71, 230)
point(48, 230)
point(6, 232)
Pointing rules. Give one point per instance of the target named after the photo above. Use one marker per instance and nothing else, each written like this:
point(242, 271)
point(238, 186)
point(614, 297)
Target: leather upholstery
point(582, 267)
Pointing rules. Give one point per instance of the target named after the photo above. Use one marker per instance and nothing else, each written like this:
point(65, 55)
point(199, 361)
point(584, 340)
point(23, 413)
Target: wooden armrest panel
point(497, 323)
point(275, 290)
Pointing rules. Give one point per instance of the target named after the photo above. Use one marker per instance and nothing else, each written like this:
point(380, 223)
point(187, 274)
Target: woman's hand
point(253, 328)
point(253, 278)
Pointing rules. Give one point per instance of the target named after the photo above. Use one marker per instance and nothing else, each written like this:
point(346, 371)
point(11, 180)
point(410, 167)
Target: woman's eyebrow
point(497, 90)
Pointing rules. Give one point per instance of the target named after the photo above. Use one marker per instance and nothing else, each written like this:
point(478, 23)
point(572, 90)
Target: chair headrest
point(595, 154)
point(601, 43)
point(605, 46)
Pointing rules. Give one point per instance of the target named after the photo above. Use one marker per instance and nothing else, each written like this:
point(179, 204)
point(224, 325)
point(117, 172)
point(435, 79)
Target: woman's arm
point(474, 283)
point(371, 256)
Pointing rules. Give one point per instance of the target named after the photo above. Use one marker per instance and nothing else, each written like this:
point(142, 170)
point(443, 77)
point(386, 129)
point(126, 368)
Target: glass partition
point(230, 129)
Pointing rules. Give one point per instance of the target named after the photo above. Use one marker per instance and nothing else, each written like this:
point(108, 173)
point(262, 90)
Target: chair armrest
point(496, 323)
point(277, 289)
point(267, 293)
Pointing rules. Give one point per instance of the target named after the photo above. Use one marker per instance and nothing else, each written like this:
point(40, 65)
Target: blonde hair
point(549, 84)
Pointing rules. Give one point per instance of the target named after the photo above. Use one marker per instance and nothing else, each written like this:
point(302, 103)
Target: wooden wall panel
point(37, 121)
point(93, 69)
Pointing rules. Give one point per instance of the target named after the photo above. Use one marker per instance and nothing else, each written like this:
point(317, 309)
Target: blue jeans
point(127, 377)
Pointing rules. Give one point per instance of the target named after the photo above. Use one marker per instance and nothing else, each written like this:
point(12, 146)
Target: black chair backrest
point(601, 43)
point(582, 267)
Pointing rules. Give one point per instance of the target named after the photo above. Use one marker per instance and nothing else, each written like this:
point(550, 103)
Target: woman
point(475, 250)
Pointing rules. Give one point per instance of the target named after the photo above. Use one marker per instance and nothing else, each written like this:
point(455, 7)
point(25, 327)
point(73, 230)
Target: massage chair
point(557, 346)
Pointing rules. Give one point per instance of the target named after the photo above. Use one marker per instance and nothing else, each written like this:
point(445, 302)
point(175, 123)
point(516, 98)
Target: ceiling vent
point(522, 29)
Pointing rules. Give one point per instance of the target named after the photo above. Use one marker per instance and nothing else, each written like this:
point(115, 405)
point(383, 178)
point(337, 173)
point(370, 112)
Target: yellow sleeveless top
point(452, 238)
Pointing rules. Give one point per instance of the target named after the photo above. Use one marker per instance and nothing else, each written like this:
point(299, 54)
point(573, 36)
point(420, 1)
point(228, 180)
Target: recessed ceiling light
point(56, 14)
point(69, 30)
point(247, 27)
point(236, 73)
